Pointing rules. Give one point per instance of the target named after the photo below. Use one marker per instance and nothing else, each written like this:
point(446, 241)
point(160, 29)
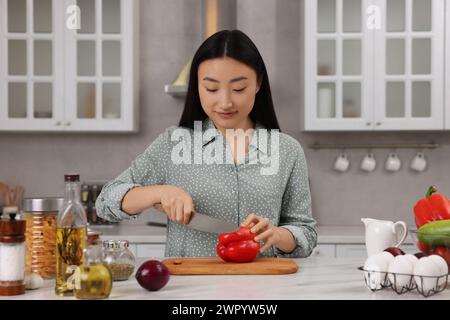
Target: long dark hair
point(237, 45)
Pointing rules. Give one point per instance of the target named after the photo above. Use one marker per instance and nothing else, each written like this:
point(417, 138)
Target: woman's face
point(227, 90)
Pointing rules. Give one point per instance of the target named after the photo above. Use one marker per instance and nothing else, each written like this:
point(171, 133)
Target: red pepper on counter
point(433, 207)
point(238, 246)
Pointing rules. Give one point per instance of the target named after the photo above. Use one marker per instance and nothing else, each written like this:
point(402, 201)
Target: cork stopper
point(12, 231)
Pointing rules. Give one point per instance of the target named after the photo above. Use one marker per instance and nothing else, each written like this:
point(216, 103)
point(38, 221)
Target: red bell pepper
point(433, 207)
point(238, 246)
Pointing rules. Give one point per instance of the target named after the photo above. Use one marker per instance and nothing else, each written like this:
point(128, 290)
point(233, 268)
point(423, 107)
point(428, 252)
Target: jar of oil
point(71, 237)
point(93, 280)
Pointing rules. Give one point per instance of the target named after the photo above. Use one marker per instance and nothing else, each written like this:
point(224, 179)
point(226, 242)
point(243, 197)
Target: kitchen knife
point(202, 222)
point(206, 223)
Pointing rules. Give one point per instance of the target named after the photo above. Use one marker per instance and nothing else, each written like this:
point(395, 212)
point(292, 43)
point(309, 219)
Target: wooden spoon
point(4, 190)
point(20, 192)
point(12, 196)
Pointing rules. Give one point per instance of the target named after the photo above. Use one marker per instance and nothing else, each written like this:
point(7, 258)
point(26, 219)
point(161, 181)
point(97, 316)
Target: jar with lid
point(119, 259)
point(40, 235)
point(93, 280)
point(12, 256)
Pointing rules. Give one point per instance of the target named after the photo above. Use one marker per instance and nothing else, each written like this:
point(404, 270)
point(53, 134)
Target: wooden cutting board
point(198, 266)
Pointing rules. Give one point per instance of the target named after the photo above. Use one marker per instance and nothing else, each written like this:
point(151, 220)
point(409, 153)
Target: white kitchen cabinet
point(150, 250)
point(56, 78)
point(374, 65)
point(338, 66)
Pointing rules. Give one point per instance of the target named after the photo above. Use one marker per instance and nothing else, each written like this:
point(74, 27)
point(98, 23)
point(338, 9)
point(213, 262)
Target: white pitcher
point(382, 234)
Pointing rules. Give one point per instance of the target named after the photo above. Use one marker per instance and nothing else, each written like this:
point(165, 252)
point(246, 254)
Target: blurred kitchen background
point(144, 48)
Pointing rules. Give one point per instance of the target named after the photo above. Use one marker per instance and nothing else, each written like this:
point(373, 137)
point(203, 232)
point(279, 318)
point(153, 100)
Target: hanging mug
point(368, 163)
point(342, 162)
point(419, 163)
point(393, 162)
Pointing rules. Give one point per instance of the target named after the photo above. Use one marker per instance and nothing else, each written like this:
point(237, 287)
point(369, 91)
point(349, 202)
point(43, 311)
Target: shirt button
point(103, 199)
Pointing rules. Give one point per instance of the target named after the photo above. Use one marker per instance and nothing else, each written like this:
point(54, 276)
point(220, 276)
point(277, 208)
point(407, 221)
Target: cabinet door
point(100, 71)
point(338, 65)
point(31, 82)
point(409, 66)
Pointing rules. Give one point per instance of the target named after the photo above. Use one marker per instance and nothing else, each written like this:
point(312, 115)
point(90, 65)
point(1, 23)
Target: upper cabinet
point(69, 65)
point(374, 65)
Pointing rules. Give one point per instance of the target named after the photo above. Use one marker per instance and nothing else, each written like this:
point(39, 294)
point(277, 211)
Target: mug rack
point(317, 146)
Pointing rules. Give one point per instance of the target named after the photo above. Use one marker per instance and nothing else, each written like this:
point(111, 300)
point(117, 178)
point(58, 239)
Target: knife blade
point(205, 223)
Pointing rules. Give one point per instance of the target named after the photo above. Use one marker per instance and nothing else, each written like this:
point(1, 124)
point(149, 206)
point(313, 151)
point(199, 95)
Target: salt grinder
point(12, 256)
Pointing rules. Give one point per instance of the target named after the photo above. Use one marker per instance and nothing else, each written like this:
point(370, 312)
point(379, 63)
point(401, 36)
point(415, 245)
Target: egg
point(387, 256)
point(400, 273)
point(440, 262)
point(411, 258)
point(375, 269)
point(426, 273)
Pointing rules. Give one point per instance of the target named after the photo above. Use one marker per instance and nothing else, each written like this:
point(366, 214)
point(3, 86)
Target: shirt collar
point(209, 124)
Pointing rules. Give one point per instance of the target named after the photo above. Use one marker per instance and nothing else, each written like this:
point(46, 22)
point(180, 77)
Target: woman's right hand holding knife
point(175, 202)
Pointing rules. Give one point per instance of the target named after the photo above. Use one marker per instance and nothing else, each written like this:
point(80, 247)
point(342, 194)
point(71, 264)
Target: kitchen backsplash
point(39, 161)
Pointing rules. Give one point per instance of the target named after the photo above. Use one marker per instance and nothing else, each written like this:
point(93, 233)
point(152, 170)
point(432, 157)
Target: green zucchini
point(435, 233)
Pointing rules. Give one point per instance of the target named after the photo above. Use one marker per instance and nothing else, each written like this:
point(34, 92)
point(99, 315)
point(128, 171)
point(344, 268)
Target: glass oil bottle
point(71, 237)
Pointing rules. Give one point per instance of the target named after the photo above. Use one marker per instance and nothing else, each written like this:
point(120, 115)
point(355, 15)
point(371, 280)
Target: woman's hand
point(271, 235)
point(268, 233)
point(176, 203)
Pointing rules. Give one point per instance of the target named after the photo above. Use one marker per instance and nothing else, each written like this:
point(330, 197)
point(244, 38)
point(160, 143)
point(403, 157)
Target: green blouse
point(272, 181)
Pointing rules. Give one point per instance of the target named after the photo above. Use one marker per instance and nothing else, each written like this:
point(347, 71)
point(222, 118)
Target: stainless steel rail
point(431, 145)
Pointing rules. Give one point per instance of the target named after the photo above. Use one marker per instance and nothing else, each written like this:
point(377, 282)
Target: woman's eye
point(239, 90)
point(211, 90)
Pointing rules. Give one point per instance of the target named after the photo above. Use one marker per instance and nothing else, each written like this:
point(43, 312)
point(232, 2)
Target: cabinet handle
point(378, 123)
point(368, 123)
point(58, 123)
point(68, 123)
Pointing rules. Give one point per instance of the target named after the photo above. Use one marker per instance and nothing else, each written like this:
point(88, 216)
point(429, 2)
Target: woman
point(220, 171)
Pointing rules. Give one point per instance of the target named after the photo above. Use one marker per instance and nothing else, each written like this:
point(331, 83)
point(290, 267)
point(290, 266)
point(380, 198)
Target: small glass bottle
point(71, 236)
point(93, 280)
point(119, 259)
point(12, 256)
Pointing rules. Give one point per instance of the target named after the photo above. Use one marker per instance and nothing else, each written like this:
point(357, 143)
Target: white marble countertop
point(147, 234)
point(317, 278)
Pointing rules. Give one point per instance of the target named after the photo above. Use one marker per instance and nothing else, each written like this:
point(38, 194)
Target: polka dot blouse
point(271, 182)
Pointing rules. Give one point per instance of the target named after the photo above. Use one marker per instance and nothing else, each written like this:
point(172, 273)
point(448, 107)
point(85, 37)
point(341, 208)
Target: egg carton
point(401, 282)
